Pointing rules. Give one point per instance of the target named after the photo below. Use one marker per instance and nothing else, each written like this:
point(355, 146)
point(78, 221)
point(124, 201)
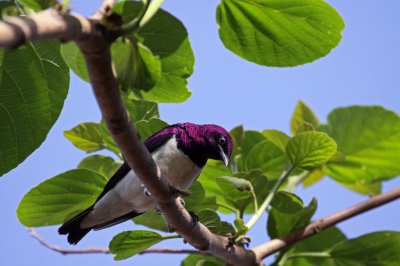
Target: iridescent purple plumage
point(199, 142)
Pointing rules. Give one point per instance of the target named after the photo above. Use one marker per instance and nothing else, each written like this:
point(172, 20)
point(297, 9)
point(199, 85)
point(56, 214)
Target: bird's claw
point(195, 218)
point(146, 192)
point(179, 192)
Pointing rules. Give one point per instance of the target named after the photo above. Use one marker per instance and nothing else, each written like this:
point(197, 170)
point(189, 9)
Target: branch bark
point(315, 227)
point(94, 41)
point(66, 251)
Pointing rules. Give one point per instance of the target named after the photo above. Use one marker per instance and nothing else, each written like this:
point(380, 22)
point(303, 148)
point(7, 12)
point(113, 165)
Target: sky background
point(227, 90)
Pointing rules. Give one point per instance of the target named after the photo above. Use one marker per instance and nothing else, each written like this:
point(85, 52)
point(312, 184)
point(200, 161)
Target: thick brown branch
point(313, 228)
point(137, 156)
point(45, 25)
point(66, 251)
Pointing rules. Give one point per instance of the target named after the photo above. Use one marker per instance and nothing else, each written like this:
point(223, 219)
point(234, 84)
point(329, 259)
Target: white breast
point(128, 196)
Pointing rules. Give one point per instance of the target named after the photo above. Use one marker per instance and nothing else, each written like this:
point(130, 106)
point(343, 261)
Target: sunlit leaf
point(106, 166)
point(281, 223)
point(130, 243)
point(303, 118)
point(59, 198)
point(279, 32)
point(34, 82)
point(309, 150)
point(369, 139)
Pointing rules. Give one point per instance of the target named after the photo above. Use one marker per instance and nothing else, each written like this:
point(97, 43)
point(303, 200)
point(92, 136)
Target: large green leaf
point(75, 60)
point(320, 242)
point(197, 194)
point(167, 38)
point(277, 137)
point(369, 139)
point(377, 249)
point(141, 110)
point(86, 136)
point(130, 243)
point(289, 216)
point(309, 150)
point(60, 197)
point(137, 68)
point(234, 188)
point(267, 157)
point(106, 166)
point(279, 32)
point(302, 115)
point(148, 128)
point(152, 220)
point(34, 82)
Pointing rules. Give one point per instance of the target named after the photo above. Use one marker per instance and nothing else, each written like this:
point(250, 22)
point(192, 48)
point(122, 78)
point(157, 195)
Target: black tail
point(73, 228)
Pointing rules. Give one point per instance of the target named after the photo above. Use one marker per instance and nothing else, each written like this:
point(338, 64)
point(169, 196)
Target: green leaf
point(59, 198)
point(86, 136)
point(234, 188)
point(202, 260)
point(212, 170)
point(210, 219)
point(75, 60)
point(279, 32)
point(373, 188)
point(281, 223)
point(167, 38)
point(141, 110)
point(104, 165)
point(313, 177)
point(317, 243)
point(108, 141)
point(130, 243)
point(267, 157)
point(309, 150)
point(369, 139)
point(286, 202)
point(37, 5)
point(152, 220)
point(303, 118)
point(277, 137)
point(148, 128)
point(34, 82)
point(194, 201)
point(378, 249)
point(137, 68)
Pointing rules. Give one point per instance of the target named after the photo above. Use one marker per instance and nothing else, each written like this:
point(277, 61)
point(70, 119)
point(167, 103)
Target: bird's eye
point(222, 141)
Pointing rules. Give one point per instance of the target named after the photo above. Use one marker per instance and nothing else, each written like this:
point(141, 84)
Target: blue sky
point(227, 90)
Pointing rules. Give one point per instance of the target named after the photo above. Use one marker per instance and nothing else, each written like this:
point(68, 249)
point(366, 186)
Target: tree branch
point(315, 227)
point(65, 251)
point(94, 41)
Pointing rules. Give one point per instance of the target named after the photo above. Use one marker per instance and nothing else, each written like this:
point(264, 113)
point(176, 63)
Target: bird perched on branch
point(180, 151)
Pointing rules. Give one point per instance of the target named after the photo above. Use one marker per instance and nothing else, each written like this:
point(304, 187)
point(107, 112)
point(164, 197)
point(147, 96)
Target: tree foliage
point(358, 146)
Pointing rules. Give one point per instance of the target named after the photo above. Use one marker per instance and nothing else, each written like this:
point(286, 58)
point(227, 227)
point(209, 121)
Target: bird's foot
point(146, 192)
point(179, 192)
point(195, 218)
point(182, 201)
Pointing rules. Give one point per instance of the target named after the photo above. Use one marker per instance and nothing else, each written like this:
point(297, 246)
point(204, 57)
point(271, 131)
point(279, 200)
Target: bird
point(180, 151)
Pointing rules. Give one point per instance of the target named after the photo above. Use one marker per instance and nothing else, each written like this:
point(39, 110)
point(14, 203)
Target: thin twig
point(66, 251)
point(313, 228)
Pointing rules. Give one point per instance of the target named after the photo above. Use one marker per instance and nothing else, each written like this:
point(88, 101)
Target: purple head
point(203, 142)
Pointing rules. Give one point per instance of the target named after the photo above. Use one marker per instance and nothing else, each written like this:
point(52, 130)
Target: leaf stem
point(150, 8)
point(253, 194)
point(308, 254)
point(269, 198)
point(171, 237)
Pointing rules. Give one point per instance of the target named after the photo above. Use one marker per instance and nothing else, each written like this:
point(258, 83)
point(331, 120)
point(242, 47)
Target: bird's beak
point(224, 157)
